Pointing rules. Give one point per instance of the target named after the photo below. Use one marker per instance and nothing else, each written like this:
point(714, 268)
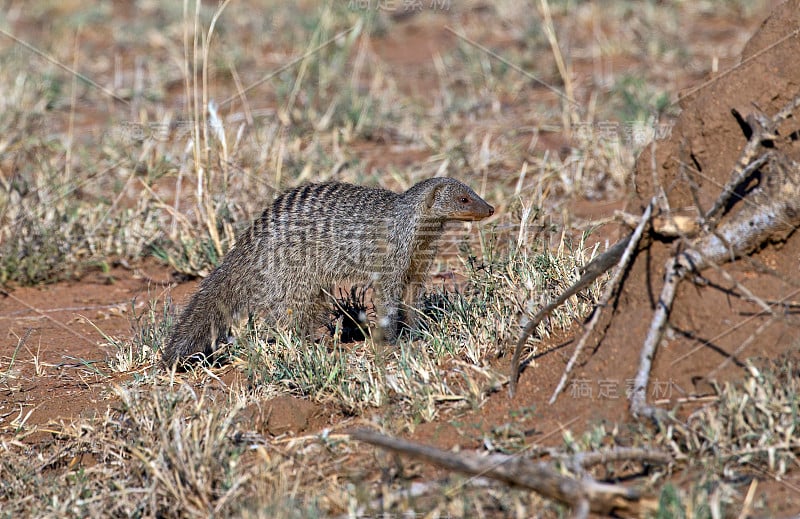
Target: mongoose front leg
point(411, 299)
point(412, 293)
point(389, 292)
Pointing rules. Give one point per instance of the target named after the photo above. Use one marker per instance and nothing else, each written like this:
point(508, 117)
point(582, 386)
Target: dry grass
point(188, 156)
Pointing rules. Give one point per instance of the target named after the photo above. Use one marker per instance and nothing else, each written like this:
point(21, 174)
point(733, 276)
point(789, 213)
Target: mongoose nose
point(491, 210)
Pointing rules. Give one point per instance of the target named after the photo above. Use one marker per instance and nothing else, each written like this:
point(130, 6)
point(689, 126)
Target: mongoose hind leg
point(307, 312)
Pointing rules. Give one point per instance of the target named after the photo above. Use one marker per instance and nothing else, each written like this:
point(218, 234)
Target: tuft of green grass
point(150, 329)
point(505, 284)
point(637, 101)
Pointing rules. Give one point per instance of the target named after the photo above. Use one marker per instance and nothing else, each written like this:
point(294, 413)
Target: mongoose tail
point(219, 301)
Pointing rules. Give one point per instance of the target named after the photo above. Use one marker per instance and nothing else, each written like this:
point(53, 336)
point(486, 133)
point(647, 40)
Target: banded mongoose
point(314, 236)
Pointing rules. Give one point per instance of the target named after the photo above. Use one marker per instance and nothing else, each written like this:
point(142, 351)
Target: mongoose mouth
point(473, 215)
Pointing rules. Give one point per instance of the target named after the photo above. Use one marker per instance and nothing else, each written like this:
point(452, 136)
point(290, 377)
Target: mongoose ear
point(431, 198)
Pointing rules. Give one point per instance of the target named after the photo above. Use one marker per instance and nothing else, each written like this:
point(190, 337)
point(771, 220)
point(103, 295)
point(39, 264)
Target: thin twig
point(593, 270)
point(674, 274)
point(608, 293)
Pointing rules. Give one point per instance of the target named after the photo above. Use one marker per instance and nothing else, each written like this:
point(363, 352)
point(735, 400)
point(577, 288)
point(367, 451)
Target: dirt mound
point(707, 139)
point(709, 322)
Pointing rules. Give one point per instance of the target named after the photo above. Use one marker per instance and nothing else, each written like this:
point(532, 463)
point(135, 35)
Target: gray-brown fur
point(314, 236)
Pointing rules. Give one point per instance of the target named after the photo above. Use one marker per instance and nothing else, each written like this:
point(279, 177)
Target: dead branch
point(589, 459)
point(583, 496)
point(608, 293)
point(770, 212)
point(638, 398)
point(597, 267)
point(669, 226)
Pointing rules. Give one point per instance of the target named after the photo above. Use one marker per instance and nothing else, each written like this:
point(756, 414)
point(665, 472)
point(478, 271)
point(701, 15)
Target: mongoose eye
point(464, 200)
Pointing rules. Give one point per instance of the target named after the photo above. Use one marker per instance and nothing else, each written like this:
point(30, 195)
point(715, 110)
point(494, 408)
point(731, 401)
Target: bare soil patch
point(53, 338)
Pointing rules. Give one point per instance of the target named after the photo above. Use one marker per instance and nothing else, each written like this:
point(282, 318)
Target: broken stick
point(771, 211)
point(580, 494)
point(596, 268)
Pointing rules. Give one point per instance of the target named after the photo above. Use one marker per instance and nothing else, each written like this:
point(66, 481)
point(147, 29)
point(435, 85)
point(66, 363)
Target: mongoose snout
point(315, 236)
point(470, 208)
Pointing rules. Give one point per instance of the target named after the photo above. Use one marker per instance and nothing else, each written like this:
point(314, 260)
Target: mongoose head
point(449, 199)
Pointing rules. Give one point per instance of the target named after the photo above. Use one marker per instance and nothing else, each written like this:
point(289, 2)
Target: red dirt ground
point(58, 327)
point(55, 320)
